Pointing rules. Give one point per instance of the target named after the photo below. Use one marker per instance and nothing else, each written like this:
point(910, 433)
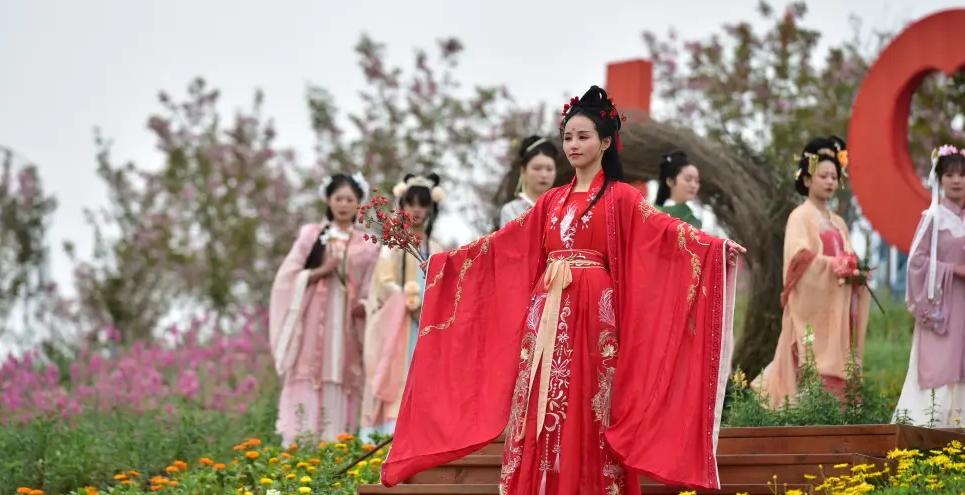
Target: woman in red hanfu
point(595, 326)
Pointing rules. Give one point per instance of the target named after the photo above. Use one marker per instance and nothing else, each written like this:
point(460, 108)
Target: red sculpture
point(890, 192)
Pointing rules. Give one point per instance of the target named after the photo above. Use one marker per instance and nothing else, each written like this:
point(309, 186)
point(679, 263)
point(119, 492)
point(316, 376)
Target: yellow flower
point(310, 469)
point(304, 489)
point(290, 476)
point(794, 492)
point(248, 493)
point(120, 477)
point(810, 477)
point(337, 484)
point(841, 466)
point(251, 455)
point(688, 493)
point(273, 460)
point(341, 446)
point(362, 464)
point(305, 479)
point(302, 464)
point(376, 462)
point(266, 481)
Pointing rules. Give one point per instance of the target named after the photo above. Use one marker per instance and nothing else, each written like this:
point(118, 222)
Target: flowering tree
point(763, 95)
point(204, 231)
point(421, 122)
point(26, 292)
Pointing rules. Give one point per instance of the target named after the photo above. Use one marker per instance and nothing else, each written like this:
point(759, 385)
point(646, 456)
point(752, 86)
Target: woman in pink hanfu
point(317, 319)
point(934, 390)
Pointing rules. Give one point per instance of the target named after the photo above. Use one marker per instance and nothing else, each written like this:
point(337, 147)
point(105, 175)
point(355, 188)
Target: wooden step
point(871, 440)
point(733, 469)
point(492, 489)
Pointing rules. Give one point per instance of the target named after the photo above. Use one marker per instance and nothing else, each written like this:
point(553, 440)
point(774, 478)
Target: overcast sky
point(68, 66)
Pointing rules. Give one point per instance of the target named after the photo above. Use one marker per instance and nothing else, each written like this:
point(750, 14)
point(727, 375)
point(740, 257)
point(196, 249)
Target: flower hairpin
point(574, 101)
point(947, 149)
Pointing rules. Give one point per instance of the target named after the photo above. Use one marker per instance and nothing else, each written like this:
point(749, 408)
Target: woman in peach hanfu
point(823, 289)
point(934, 389)
point(317, 318)
point(593, 329)
point(394, 304)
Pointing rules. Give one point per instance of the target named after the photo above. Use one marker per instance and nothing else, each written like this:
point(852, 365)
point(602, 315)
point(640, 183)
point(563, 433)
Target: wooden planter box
point(747, 458)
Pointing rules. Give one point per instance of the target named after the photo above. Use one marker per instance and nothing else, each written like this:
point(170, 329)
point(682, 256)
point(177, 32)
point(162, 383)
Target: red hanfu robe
point(601, 339)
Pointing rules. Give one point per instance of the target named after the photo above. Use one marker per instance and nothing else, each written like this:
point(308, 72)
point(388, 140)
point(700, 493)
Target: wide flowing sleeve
point(675, 297)
point(929, 312)
point(457, 395)
point(287, 287)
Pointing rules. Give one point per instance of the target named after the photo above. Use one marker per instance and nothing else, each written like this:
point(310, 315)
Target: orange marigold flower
point(23, 490)
point(241, 446)
point(173, 483)
point(158, 480)
point(218, 467)
point(206, 462)
point(293, 447)
point(133, 474)
point(345, 437)
point(90, 490)
point(183, 466)
point(127, 482)
point(156, 488)
point(120, 477)
point(286, 455)
point(251, 455)
point(36, 492)
point(254, 442)
point(314, 461)
point(368, 447)
point(171, 469)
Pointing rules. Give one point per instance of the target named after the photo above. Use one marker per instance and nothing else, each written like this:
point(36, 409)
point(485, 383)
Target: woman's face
point(539, 173)
point(582, 143)
point(824, 183)
point(418, 213)
point(344, 204)
point(685, 186)
point(953, 184)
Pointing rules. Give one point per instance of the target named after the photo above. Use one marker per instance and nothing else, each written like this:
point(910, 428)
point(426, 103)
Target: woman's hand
point(734, 250)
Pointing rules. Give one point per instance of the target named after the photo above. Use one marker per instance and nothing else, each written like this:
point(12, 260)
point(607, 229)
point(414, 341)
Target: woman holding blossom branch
point(824, 287)
point(596, 327)
point(317, 318)
point(395, 300)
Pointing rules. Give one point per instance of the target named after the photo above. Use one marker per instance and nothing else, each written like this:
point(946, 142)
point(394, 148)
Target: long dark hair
point(317, 255)
point(670, 166)
point(422, 196)
point(532, 147)
point(950, 164)
point(818, 150)
point(596, 106)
